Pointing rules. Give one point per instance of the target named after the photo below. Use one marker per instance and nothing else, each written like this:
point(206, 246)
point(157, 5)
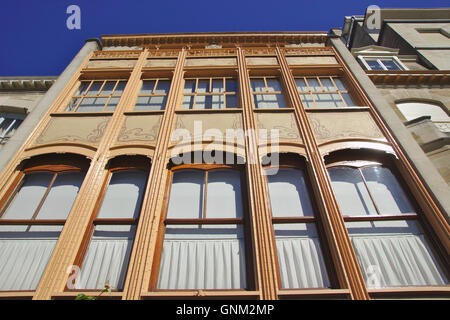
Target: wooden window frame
point(379, 59)
point(324, 246)
point(210, 93)
point(73, 108)
point(15, 187)
point(418, 217)
point(267, 92)
point(250, 279)
point(337, 91)
point(153, 94)
point(94, 221)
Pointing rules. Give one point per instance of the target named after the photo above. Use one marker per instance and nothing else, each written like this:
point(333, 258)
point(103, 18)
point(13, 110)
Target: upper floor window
point(381, 63)
point(153, 95)
point(267, 93)
point(8, 124)
point(106, 251)
point(414, 110)
point(210, 93)
point(323, 92)
point(300, 258)
point(203, 243)
point(31, 220)
point(391, 247)
point(97, 96)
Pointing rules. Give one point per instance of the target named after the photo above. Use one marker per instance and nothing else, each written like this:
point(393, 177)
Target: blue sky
point(36, 41)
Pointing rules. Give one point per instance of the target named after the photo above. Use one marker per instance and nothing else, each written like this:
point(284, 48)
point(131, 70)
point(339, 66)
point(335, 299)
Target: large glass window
point(300, 259)
point(210, 93)
point(267, 93)
point(203, 246)
point(323, 92)
point(153, 95)
point(8, 124)
point(384, 227)
point(31, 221)
point(97, 96)
point(107, 252)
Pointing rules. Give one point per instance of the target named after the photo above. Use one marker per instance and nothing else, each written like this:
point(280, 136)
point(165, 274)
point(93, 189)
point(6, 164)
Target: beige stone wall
point(20, 99)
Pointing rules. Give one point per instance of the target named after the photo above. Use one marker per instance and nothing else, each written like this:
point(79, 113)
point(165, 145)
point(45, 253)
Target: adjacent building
point(221, 165)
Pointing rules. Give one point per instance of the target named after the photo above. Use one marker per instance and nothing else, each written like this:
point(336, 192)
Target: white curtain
point(203, 257)
point(24, 254)
point(106, 260)
point(393, 254)
point(300, 257)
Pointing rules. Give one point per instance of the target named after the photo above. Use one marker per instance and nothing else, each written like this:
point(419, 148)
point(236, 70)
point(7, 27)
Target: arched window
point(413, 110)
point(295, 222)
point(32, 215)
point(384, 226)
point(106, 251)
point(202, 242)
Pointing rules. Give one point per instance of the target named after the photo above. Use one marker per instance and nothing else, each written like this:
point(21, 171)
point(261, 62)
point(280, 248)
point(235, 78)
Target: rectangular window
point(381, 63)
point(203, 245)
point(97, 96)
point(300, 259)
point(210, 93)
point(8, 125)
point(390, 246)
point(112, 234)
point(153, 95)
point(36, 214)
point(323, 92)
point(267, 93)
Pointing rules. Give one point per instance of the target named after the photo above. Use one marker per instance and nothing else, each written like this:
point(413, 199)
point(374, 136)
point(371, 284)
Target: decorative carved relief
point(285, 123)
point(140, 128)
point(111, 64)
point(88, 130)
point(329, 126)
point(211, 62)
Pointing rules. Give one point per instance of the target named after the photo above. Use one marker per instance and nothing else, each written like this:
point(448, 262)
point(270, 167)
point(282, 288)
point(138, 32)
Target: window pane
point(258, 85)
point(203, 257)
point(108, 88)
point(328, 85)
point(95, 88)
point(289, 196)
point(163, 87)
point(29, 196)
point(301, 85)
point(374, 65)
point(232, 101)
point(390, 65)
point(92, 104)
point(348, 99)
point(82, 88)
point(124, 195)
point(217, 102)
point(350, 191)
point(224, 195)
point(307, 100)
point(147, 87)
point(217, 85)
point(186, 195)
point(231, 85)
point(189, 86)
point(394, 254)
point(339, 84)
point(314, 84)
point(300, 257)
point(202, 101)
point(328, 100)
point(24, 254)
point(61, 196)
point(269, 101)
point(273, 84)
point(112, 104)
point(203, 86)
point(151, 103)
point(188, 102)
point(386, 191)
point(107, 257)
point(120, 87)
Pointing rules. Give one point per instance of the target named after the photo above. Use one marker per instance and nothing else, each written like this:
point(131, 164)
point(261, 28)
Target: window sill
point(273, 110)
point(411, 292)
point(174, 294)
point(71, 295)
point(232, 110)
point(26, 295)
point(356, 108)
point(143, 112)
point(81, 114)
point(318, 293)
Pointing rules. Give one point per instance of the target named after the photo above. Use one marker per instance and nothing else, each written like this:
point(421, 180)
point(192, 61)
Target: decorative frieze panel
point(203, 62)
point(262, 61)
point(85, 130)
point(158, 63)
point(111, 63)
point(311, 60)
point(284, 124)
point(334, 126)
point(140, 128)
point(119, 54)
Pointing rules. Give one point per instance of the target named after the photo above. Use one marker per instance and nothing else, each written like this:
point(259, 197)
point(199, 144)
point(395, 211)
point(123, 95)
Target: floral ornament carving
point(129, 132)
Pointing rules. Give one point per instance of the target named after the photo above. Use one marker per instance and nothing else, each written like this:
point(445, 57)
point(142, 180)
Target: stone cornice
point(202, 39)
point(26, 83)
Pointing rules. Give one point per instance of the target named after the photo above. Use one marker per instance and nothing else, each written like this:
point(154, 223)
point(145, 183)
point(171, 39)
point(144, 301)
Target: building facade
point(221, 165)
point(406, 56)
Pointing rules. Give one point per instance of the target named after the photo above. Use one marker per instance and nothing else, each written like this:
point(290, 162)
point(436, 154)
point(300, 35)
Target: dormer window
point(381, 63)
